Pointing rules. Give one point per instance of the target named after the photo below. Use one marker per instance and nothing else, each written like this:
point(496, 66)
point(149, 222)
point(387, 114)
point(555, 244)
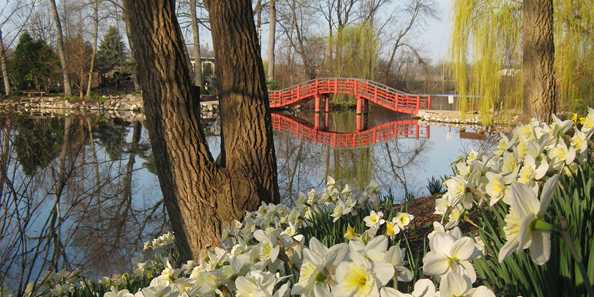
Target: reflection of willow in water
point(354, 166)
point(66, 188)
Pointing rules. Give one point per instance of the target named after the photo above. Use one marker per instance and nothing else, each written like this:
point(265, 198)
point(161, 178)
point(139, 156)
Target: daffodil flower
point(392, 228)
point(374, 250)
point(579, 141)
point(350, 233)
point(449, 255)
point(456, 192)
point(510, 163)
point(394, 257)
point(531, 172)
point(115, 293)
point(422, 288)
point(403, 219)
point(526, 210)
point(588, 122)
point(495, 187)
point(503, 145)
point(562, 155)
point(259, 283)
point(361, 277)
point(315, 275)
point(458, 285)
point(374, 219)
point(267, 248)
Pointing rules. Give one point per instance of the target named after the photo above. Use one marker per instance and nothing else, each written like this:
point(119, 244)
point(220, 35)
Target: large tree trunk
point(60, 45)
point(271, 39)
point(3, 63)
point(201, 196)
point(538, 59)
point(197, 55)
point(95, 41)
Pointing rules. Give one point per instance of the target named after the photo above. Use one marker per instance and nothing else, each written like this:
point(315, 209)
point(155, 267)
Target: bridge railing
point(378, 134)
point(375, 92)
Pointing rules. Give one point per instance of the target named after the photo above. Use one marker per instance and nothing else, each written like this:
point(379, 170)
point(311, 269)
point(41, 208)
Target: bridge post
point(360, 122)
point(326, 121)
point(359, 108)
point(418, 103)
point(317, 121)
point(429, 102)
point(327, 104)
point(317, 103)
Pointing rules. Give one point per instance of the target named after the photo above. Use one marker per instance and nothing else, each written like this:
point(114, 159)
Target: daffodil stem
point(576, 256)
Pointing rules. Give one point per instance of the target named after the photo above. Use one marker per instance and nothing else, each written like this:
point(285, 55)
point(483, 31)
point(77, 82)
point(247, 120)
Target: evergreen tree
point(34, 64)
point(112, 52)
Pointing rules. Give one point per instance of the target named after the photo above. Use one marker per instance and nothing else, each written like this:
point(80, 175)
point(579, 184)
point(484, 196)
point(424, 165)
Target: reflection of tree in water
point(77, 208)
point(111, 134)
point(398, 159)
point(37, 142)
point(296, 164)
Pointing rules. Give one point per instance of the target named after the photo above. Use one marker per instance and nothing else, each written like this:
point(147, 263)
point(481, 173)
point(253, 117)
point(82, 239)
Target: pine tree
point(112, 52)
point(34, 64)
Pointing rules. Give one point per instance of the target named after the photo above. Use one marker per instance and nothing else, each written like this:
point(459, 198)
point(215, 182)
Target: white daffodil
point(503, 145)
point(374, 219)
point(360, 277)
point(510, 163)
point(374, 250)
point(394, 257)
point(472, 156)
point(530, 172)
point(392, 228)
point(422, 288)
point(527, 148)
point(525, 132)
point(458, 285)
point(526, 211)
point(449, 255)
point(560, 127)
point(579, 141)
point(115, 293)
point(456, 192)
point(267, 248)
point(495, 187)
point(343, 208)
point(403, 219)
point(588, 122)
point(561, 154)
point(259, 284)
point(158, 290)
point(316, 272)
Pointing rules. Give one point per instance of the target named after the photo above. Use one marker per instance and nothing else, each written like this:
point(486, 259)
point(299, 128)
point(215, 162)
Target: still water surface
point(81, 192)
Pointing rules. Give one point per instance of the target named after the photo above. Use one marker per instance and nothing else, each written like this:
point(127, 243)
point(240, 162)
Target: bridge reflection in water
point(361, 137)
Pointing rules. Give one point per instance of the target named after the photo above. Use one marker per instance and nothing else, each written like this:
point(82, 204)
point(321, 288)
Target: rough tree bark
point(60, 46)
point(271, 38)
point(95, 41)
point(202, 196)
point(538, 59)
point(3, 63)
point(196, 36)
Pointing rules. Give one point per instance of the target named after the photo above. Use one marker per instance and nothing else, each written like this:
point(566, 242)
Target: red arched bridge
point(363, 90)
point(360, 138)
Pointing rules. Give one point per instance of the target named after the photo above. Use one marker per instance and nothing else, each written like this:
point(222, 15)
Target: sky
point(437, 33)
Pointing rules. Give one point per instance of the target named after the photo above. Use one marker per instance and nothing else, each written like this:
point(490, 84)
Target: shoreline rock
point(124, 107)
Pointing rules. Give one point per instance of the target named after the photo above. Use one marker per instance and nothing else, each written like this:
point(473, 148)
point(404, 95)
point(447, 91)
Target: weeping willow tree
point(354, 53)
point(488, 55)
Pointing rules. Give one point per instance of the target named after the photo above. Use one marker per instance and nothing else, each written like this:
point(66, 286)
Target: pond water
point(81, 192)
